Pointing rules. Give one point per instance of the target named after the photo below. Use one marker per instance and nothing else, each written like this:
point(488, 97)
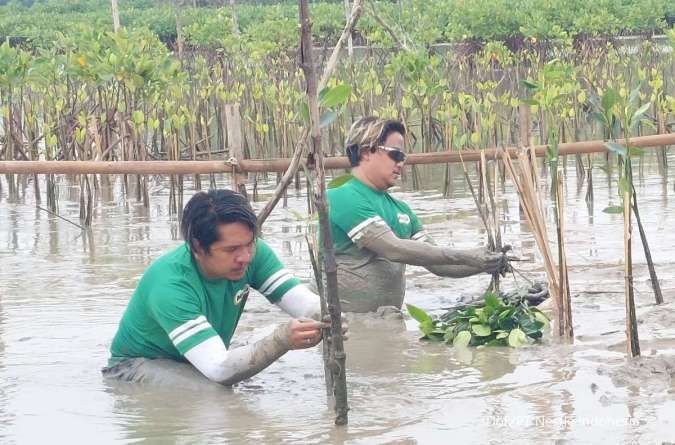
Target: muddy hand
point(490, 262)
point(304, 333)
point(505, 265)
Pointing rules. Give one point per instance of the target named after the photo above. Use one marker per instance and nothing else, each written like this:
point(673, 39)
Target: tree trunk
point(235, 21)
point(179, 31)
point(115, 16)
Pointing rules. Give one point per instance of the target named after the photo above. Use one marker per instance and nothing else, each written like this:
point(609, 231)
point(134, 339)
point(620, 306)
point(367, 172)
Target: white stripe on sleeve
point(185, 326)
point(275, 276)
point(353, 234)
point(283, 279)
point(419, 235)
point(190, 332)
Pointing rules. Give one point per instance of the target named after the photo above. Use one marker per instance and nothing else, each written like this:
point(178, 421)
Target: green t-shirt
point(175, 308)
point(354, 206)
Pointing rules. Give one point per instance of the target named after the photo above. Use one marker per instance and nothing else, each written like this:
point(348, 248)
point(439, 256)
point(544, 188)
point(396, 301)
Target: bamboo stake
point(656, 286)
point(337, 354)
point(565, 327)
point(632, 341)
point(236, 146)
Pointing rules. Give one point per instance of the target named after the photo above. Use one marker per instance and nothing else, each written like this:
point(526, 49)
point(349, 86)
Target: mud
point(62, 293)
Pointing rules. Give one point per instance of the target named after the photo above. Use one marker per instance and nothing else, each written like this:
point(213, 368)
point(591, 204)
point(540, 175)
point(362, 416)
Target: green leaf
point(638, 114)
point(418, 314)
point(517, 338)
point(505, 313)
point(449, 335)
point(462, 339)
point(634, 95)
point(542, 318)
point(340, 180)
point(502, 335)
point(609, 99)
point(137, 117)
point(481, 330)
point(624, 187)
point(529, 85)
point(614, 210)
point(327, 118)
point(335, 96)
point(427, 327)
point(635, 151)
point(616, 148)
point(601, 118)
point(492, 301)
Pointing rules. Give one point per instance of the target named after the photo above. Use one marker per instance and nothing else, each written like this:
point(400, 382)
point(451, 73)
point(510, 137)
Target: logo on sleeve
point(241, 295)
point(403, 218)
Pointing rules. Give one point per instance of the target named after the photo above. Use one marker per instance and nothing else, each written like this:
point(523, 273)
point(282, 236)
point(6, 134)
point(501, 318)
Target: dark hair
point(367, 133)
point(205, 211)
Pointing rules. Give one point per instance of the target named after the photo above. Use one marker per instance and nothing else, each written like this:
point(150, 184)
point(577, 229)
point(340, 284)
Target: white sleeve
point(300, 302)
point(212, 358)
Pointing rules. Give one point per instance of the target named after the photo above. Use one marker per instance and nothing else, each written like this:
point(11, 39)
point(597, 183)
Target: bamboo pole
point(236, 145)
point(115, 16)
point(656, 286)
point(632, 339)
point(337, 363)
point(280, 165)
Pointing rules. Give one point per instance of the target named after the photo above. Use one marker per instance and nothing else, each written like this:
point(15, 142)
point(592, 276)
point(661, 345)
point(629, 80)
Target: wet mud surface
point(62, 293)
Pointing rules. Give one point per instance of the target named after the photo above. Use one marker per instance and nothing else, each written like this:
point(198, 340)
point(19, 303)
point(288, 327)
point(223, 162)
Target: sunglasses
point(395, 154)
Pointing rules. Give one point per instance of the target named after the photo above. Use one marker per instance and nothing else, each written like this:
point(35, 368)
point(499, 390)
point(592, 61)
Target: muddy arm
point(448, 270)
point(218, 364)
point(301, 302)
point(382, 241)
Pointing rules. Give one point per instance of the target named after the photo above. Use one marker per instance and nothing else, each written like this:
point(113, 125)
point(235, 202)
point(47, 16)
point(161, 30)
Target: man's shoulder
point(346, 189)
point(173, 267)
point(351, 194)
point(174, 260)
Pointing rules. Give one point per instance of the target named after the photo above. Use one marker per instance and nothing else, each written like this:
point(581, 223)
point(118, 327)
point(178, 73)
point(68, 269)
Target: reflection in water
point(62, 292)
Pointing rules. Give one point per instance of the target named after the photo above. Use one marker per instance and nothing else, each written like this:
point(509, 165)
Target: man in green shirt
point(376, 235)
point(188, 302)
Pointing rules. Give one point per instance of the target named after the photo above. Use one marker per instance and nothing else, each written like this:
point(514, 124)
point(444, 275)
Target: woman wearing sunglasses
point(376, 235)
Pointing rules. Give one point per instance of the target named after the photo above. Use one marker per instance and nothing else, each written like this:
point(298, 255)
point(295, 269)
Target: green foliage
point(496, 322)
point(273, 27)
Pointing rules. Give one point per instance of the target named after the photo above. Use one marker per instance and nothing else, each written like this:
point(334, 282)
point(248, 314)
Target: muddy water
point(62, 294)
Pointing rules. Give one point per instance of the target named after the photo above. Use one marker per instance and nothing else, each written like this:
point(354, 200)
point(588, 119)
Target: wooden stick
point(337, 354)
point(565, 323)
point(280, 165)
point(632, 340)
point(656, 286)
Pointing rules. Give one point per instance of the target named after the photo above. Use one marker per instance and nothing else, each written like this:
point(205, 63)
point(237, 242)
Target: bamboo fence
point(233, 165)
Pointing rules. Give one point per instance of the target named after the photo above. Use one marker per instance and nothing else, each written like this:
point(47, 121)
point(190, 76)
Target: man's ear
point(197, 248)
point(366, 154)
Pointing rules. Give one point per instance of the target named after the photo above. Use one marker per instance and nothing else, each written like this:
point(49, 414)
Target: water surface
point(62, 293)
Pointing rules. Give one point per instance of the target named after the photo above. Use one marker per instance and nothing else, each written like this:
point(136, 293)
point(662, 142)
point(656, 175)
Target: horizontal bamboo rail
point(280, 165)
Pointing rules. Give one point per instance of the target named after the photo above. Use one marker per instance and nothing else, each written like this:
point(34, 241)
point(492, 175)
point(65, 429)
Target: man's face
point(380, 168)
point(228, 257)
